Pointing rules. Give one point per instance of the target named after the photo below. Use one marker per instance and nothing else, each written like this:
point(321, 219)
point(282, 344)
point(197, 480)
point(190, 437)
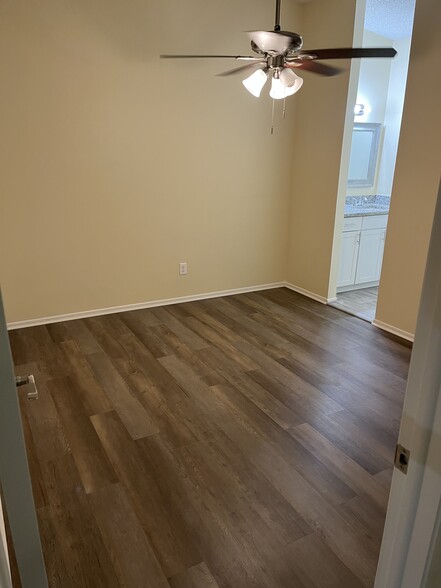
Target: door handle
point(28, 380)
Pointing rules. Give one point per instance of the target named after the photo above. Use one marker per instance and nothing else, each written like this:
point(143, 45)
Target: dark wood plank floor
point(238, 442)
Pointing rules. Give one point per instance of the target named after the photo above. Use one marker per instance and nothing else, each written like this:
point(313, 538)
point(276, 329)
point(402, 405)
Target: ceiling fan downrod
point(277, 22)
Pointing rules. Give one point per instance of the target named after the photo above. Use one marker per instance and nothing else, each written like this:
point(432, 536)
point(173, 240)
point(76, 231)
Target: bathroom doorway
point(375, 134)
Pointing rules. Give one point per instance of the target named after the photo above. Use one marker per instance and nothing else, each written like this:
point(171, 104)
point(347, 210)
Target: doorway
point(375, 134)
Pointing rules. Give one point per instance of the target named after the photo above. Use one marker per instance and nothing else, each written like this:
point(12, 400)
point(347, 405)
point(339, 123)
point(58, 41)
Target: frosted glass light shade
point(291, 81)
point(278, 90)
point(255, 82)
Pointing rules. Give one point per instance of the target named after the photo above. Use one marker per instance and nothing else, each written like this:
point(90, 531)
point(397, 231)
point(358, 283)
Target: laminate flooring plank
point(363, 514)
point(59, 332)
point(35, 345)
point(256, 490)
point(355, 549)
point(241, 529)
point(210, 374)
point(85, 560)
point(44, 422)
point(189, 381)
point(365, 455)
point(86, 342)
point(381, 442)
point(137, 422)
point(303, 397)
point(276, 410)
point(263, 430)
point(92, 462)
point(92, 395)
point(347, 333)
point(347, 470)
point(228, 559)
point(212, 333)
point(108, 333)
point(348, 394)
point(385, 477)
point(196, 577)
point(316, 566)
point(165, 527)
point(263, 335)
point(162, 384)
point(183, 333)
point(381, 381)
point(131, 552)
point(157, 346)
point(37, 479)
point(56, 570)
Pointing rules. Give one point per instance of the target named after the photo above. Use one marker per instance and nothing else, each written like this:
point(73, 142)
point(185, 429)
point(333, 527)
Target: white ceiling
point(390, 18)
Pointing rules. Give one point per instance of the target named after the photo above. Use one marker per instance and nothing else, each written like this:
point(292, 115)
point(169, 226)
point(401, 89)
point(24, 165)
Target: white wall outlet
point(183, 268)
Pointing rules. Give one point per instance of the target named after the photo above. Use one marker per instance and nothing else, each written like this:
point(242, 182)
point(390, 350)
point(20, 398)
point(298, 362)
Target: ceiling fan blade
point(243, 68)
point(314, 67)
point(274, 42)
point(239, 57)
point(350, 52)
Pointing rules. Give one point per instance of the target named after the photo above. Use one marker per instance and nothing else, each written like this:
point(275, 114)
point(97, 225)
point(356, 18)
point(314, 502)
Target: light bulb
point(255, 82)
point(291, 81)
point(278, 90)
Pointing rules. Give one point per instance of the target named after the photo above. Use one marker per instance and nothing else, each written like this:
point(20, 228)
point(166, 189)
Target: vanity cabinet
point(350, 244)
point(361, 251)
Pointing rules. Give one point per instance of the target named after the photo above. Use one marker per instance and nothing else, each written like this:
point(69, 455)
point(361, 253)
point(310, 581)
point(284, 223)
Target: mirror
point(364, 154)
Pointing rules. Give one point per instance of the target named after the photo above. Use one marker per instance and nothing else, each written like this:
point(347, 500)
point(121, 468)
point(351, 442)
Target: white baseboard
point(127, 307)
point(393, 330)
point(342, 289)
point(309, 294)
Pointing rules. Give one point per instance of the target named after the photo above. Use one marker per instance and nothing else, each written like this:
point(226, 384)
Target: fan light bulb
point(255, 82)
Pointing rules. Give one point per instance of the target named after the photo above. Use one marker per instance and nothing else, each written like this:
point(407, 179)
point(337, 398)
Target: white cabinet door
point(370, 256)
point(348, 258)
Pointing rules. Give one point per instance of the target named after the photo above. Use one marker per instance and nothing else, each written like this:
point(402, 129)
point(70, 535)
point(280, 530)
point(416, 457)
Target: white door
point(370, 256)
point(15, 479)
point(348, 258)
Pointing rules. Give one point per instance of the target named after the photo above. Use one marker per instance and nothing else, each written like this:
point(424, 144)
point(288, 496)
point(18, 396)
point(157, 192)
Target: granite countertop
point(366, 205)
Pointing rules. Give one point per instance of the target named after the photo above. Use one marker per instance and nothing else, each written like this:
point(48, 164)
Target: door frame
point(412, 520)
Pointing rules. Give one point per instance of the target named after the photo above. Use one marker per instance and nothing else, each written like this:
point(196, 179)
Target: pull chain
point(272, 119)
point(284, 107)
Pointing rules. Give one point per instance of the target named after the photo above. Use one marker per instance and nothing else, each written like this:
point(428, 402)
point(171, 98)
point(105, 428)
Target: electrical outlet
point(183, 268)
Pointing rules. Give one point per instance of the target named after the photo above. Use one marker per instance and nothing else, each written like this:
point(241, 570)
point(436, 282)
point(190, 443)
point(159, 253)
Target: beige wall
point(116, 166)
point(417, 176)
point(321, 109)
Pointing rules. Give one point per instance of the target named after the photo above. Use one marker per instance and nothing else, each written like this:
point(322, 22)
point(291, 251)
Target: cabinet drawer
point(352, 224)
point(378, 221)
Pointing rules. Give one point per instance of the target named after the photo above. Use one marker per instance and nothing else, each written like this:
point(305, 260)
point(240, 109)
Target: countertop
point(366, 205)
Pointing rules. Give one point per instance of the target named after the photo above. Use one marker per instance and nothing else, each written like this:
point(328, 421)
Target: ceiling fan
point(279, 53)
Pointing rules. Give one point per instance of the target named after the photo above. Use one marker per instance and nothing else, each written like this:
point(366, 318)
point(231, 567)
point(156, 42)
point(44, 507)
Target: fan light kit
point(278, 54)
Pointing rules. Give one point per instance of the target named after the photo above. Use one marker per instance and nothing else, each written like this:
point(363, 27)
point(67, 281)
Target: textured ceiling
point(391, 18)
